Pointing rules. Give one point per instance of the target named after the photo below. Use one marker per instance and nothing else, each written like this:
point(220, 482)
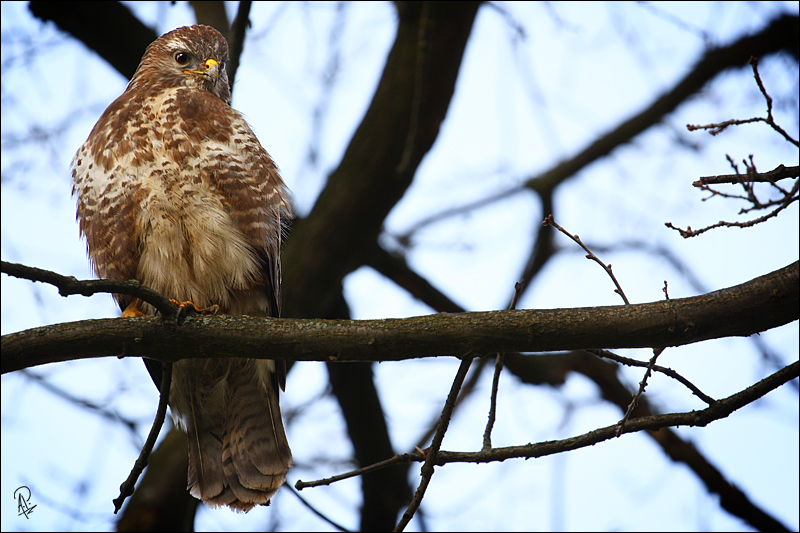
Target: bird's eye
point(182, 58)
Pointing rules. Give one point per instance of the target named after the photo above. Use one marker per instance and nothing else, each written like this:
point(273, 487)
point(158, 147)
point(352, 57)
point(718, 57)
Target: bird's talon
point(132, 311)
point(190, 308)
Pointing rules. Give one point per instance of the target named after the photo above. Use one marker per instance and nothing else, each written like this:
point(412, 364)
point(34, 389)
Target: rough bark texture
point(763, 303)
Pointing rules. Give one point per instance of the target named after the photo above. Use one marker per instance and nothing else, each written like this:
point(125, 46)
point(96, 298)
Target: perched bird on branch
point(174, 190)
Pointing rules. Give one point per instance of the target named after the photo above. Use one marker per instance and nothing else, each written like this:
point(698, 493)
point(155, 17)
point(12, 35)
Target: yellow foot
point(192, 308)
point(133, 311)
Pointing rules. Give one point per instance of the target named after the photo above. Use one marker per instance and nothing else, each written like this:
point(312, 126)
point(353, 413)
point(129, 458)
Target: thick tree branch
point(236, 39)
point(763, 303)
point(212, 13)
point(780, 35)
point(101, 26)
point(398, 129)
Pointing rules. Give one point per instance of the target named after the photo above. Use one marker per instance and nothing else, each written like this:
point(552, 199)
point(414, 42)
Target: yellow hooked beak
point(211, 69)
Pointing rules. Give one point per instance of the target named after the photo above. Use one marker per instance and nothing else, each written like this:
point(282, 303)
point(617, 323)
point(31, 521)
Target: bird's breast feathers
point(170, 188)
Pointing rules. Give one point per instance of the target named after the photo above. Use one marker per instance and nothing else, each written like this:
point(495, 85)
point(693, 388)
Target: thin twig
point(312, 509)
point(718, 410)
point(68, 285)
point(664, 370)
point(467, 389)
point(549, 220)
point(718, 127)
point(769, 120)
point(752, 175)
point(469, 208)
point(689, 232)
point(498, 367)
point(126, 489)
point(642, 385)
point(432, 454)
point(403, 458)
point(656, 351)
point(514, 24)
point(487, 433)
point(715, 129)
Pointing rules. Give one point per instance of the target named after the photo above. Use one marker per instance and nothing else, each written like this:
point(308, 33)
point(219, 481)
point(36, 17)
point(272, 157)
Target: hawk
point(174, 190)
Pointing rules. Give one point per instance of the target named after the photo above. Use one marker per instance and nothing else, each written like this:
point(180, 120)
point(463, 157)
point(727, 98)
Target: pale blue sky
point(521, 106)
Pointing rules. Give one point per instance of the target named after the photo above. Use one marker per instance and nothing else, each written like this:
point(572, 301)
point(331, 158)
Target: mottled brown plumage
point(174, 190)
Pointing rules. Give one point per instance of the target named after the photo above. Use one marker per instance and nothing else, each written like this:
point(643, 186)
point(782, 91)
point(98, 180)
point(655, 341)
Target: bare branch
point(717, 128)
point(549, 220)
point(714, 62)
point(720, 409)
point(640, 391)
point(498, 368)
point(553, 369)
point(236, 39)
point(757, 305)
point(312, 508)
point(664, 370)
point(467, 389)
point(395, 267)
point(787, 201)
point(432, 453)
point(769, 120)
point(101, 26)
point(335, 230)
point(212, 14)
point(68, 285)
point(404, 458)
point(778, 173)
point(126, 489)
point(467, 208)
point(656, 351)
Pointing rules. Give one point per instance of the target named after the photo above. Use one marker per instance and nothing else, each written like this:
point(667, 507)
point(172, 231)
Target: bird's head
point(191, 56)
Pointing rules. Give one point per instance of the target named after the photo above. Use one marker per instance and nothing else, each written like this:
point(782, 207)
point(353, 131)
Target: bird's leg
point(133, 311)
point(210, 310)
